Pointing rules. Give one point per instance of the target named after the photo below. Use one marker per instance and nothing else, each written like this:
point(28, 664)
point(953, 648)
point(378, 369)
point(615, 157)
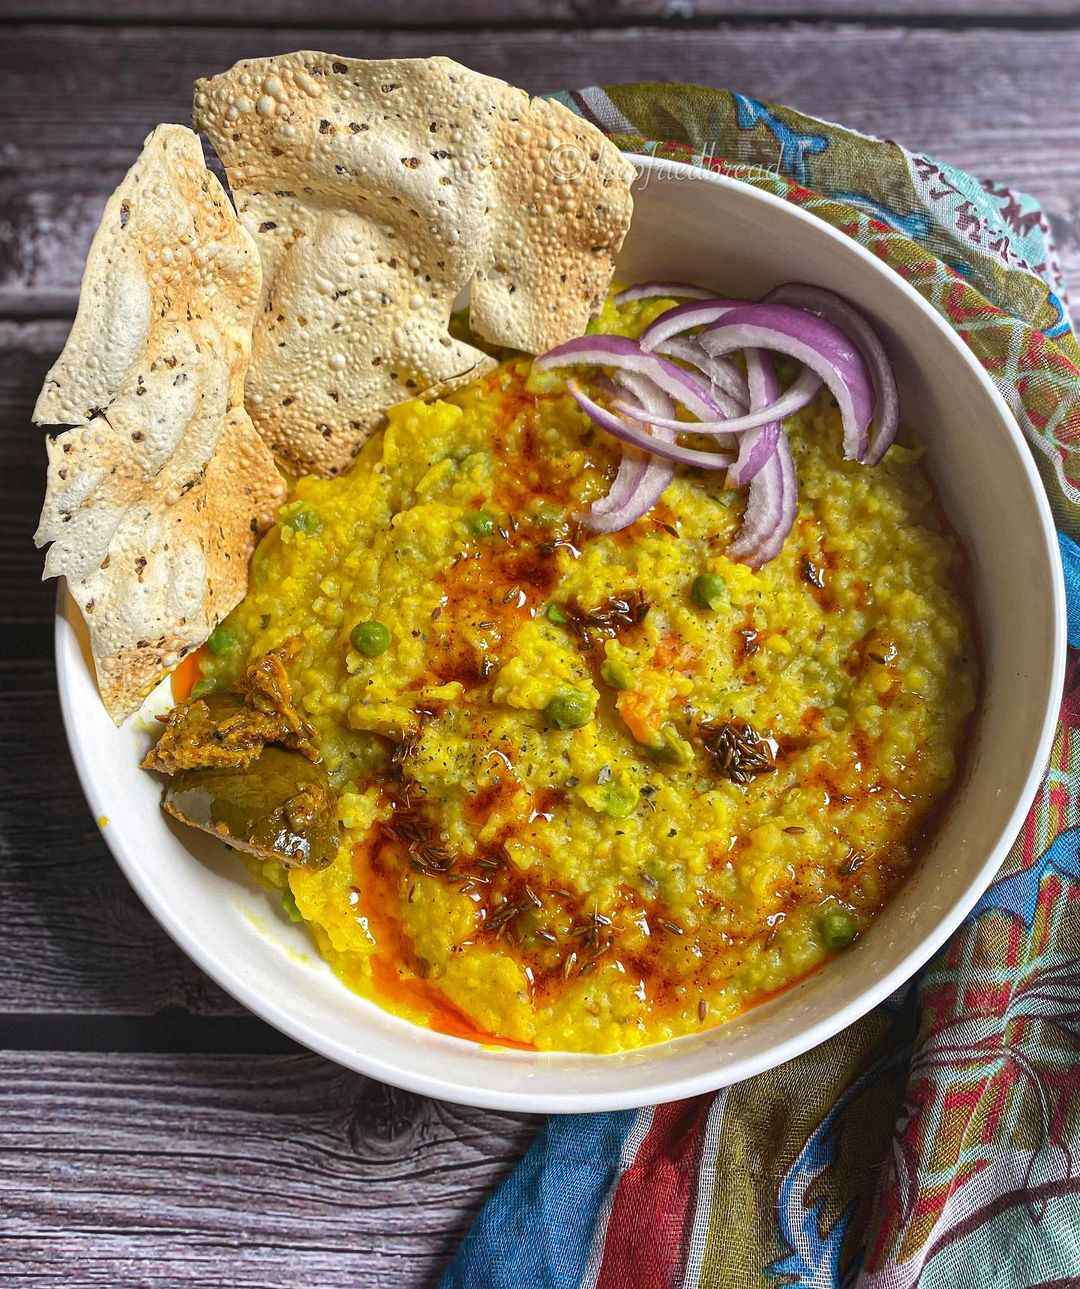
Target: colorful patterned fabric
point(937, 1141)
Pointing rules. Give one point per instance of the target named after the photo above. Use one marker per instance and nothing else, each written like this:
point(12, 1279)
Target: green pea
point(569, 710)
point(620, 800)
point(288, 903)
point(203, 687)
point(547, 515)
point(222, 641)
point(838, 928)
point(263, 555)
point(364, 755)
point(481, 523)
point(370, 639)
point(304, 520)
point(709, 591)
point(672, 747)
point(368, 752)
point(554, 614)
point(617, 674)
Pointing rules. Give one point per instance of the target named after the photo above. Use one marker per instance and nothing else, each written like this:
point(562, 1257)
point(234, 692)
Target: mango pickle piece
point(216, 731)
point(280, 806)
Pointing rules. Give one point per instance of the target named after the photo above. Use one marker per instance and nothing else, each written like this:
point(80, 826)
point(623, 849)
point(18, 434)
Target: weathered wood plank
point(982, 102)
point(284, 1170)
point(371, 13)
point(318, 13)
point(78, 938)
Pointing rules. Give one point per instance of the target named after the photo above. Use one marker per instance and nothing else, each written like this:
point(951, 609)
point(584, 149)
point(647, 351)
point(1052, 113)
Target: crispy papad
point(376, 192)
point(156, 496)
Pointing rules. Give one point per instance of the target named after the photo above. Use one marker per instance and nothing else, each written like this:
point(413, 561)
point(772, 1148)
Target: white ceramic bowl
point(700, 227)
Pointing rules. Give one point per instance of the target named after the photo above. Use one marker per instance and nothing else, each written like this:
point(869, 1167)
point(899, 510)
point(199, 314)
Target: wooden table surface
point(151, 1131)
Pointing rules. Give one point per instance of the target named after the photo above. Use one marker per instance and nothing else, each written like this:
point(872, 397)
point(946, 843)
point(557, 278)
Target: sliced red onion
point(755, 452)
point(629, 433)
point(817, 344)
point(631, 465)
point(721, 373)
point(835, 309)
point(653, 479)
point(646, 391)
point(833, 341)
point(698, 313)
point(756, 447)
point(799, 393)
point(771, 508)
point(648, 492)
point(790, 509)
point(674, 290)
point(627, 355)
point(764, 508)
point(632, 469)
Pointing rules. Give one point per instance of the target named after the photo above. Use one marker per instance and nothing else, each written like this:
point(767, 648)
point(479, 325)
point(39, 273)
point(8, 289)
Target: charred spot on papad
point(376, 192)
point(157, 494)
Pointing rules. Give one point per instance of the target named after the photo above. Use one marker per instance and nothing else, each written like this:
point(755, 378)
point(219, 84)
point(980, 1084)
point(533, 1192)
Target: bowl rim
point(662, 1089)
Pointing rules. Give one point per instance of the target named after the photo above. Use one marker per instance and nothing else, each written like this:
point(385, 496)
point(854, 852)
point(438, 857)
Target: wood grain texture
point(447, 13)
point(978, 99)
point(279, 1170)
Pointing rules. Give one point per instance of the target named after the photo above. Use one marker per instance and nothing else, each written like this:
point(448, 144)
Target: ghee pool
point(584, 808)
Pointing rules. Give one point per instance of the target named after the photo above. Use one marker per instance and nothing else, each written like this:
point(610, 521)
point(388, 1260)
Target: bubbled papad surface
point(376, 191)
point(155, 497)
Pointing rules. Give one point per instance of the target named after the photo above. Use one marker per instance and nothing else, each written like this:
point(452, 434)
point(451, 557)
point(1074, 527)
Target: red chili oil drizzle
point(378, 893)
point(556, 936)
point(487, 592)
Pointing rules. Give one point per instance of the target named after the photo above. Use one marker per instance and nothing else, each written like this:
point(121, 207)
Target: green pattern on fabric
point(767, 1122)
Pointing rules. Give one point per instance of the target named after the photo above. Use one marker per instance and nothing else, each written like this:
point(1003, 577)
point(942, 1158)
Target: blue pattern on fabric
point(802, 1202)
point(1019, 894)
point(1018, 211)
point(1062, 323)
point(1070, 562)
point(914, 224)
point(536, 1231)
point(795, 145)
point(986, 213)
point(814, 1259)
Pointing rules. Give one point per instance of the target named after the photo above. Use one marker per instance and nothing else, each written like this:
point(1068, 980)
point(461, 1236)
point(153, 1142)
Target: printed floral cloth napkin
point(937, 1141)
